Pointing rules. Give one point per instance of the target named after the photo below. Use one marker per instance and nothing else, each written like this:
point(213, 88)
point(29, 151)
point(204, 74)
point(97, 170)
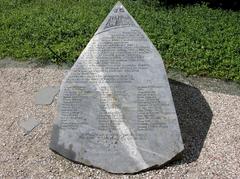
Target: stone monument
point(115, 108)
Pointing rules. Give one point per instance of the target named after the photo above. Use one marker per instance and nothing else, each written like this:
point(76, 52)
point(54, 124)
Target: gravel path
point(209, 122)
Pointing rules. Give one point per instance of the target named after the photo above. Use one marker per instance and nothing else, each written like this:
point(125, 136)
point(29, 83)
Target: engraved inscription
point(119, 20)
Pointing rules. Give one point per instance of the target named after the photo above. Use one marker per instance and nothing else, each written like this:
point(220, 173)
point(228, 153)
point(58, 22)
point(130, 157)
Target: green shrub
point(194, 39)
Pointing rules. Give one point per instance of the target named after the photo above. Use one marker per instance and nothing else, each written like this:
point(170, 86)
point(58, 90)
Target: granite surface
point(46, 95)
point(115, 107)
point(28, 125)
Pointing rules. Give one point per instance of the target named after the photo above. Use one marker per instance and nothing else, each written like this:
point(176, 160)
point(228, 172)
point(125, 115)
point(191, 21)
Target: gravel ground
point(209, 122)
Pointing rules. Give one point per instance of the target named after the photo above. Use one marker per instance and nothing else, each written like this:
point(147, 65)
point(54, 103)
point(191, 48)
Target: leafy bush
point(194, 39)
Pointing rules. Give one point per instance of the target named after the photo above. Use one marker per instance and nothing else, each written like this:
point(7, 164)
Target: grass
point(194, 39)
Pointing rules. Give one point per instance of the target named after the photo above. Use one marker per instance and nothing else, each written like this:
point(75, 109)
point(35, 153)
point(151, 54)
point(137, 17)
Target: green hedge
point(194, 39)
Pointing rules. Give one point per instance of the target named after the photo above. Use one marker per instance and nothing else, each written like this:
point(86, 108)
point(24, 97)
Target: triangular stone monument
point(115, 108)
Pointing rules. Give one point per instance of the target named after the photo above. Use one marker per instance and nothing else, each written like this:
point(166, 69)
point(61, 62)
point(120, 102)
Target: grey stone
point(115, 108)
point(46, 95)
point(29, 125)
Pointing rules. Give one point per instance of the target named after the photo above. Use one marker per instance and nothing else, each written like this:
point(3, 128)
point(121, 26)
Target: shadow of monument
point(194, 116)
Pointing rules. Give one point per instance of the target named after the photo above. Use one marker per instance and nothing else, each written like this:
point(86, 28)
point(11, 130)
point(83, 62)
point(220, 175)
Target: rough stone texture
point(211, 151)
point(29, 125)
point(46, 95)
point(115, 108)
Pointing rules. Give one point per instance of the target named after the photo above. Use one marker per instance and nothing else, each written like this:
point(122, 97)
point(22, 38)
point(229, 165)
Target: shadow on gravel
point(194, 116)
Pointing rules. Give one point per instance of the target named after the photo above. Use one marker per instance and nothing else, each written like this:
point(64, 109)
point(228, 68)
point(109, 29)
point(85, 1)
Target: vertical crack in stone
point(104, 89)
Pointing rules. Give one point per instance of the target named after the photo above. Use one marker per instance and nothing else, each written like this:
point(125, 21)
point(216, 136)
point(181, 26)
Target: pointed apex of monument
point(118, 17)
point(118, 4)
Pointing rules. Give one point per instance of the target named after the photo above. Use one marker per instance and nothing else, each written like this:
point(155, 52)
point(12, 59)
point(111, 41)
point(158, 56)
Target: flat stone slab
point(115, 108)
point(45, 96)
point(29, 125)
